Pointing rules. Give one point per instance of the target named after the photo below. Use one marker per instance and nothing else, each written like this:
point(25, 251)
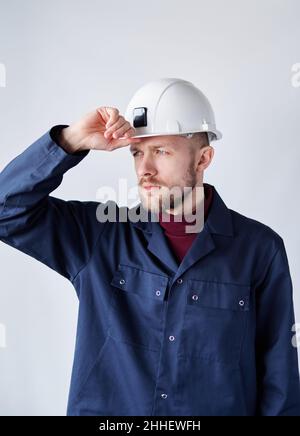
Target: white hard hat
point(171, 106)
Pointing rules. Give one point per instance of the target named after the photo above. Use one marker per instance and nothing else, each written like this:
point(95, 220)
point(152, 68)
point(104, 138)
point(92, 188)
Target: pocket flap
point(132, 279)
point(219, 295)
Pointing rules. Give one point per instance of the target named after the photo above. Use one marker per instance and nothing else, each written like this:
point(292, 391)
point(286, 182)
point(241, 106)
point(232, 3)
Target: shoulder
point(254, 231)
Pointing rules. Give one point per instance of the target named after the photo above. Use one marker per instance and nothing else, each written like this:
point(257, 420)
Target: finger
point(105, 113)
point(115, 126)
point(119, 143)
point(102, 115)
point(113, 116)
point(108, 114)
point(122, 130)
point(130, 132)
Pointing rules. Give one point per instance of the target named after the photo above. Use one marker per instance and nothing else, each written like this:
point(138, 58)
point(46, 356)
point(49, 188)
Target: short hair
point(201, 138)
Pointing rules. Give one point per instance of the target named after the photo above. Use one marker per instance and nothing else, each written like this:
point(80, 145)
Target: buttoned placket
point(167, 365)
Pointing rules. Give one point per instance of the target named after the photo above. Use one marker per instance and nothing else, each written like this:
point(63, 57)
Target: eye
point(135, 153)
point(161, 151)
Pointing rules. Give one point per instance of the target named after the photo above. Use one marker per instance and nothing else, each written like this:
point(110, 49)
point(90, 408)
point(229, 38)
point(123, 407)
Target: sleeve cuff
point(55, 131)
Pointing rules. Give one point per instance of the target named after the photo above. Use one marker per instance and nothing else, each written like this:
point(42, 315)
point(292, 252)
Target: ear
point(205, 157)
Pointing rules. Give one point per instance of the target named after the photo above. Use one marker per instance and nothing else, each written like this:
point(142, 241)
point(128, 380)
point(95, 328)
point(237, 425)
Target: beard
point(160, 200)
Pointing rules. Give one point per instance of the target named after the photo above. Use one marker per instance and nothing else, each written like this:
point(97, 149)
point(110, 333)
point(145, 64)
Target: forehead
point(172, 141)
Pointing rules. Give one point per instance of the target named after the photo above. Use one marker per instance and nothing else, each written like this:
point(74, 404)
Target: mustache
point(149, 182)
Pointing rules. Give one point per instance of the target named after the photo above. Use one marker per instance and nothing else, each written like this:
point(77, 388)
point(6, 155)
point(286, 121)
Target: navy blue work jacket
point(209, 336)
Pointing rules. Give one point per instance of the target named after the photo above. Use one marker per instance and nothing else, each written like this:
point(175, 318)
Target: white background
point(64, 58)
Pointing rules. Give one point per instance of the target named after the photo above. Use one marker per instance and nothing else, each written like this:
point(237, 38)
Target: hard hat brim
point(217, 133)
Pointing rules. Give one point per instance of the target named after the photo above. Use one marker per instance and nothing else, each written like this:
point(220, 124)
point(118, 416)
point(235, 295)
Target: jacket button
point(179, 281)
point(195, 297)
point(157, 293)
point(242, 303)
point(172, 338)
point(164, 396)
point(122, 281)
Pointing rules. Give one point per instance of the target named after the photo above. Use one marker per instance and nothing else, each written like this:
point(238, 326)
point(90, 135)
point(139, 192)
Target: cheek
point(170, 167)
point(173, 172)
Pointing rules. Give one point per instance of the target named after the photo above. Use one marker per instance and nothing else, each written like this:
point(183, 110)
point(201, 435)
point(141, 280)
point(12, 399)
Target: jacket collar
point(219, 219)
point(219, 222)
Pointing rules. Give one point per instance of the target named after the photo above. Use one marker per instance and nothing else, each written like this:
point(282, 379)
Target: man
point(171, 322)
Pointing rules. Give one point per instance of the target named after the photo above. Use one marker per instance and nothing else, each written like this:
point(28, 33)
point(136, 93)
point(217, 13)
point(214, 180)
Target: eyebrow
point(135, 148)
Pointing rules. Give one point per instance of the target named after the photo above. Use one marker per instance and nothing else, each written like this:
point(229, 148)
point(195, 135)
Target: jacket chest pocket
point(137, 307)
point(215, 320)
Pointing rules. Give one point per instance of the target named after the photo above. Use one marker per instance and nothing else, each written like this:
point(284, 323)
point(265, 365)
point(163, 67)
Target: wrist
point(69, 141)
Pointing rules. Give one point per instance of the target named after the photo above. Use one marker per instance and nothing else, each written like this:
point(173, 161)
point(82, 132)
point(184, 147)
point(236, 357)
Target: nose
point(145, 167)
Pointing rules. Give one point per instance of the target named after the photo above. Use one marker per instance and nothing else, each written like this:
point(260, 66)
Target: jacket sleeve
point(58, 233)
point(277, 361)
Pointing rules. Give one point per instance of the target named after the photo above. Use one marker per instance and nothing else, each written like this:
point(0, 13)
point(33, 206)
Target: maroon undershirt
point(179, 240)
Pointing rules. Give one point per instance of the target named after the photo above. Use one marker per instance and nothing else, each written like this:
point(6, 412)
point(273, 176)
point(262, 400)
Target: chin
point(150, 204)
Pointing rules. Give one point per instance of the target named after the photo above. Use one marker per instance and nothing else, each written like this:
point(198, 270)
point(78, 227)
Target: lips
point(149, 187)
